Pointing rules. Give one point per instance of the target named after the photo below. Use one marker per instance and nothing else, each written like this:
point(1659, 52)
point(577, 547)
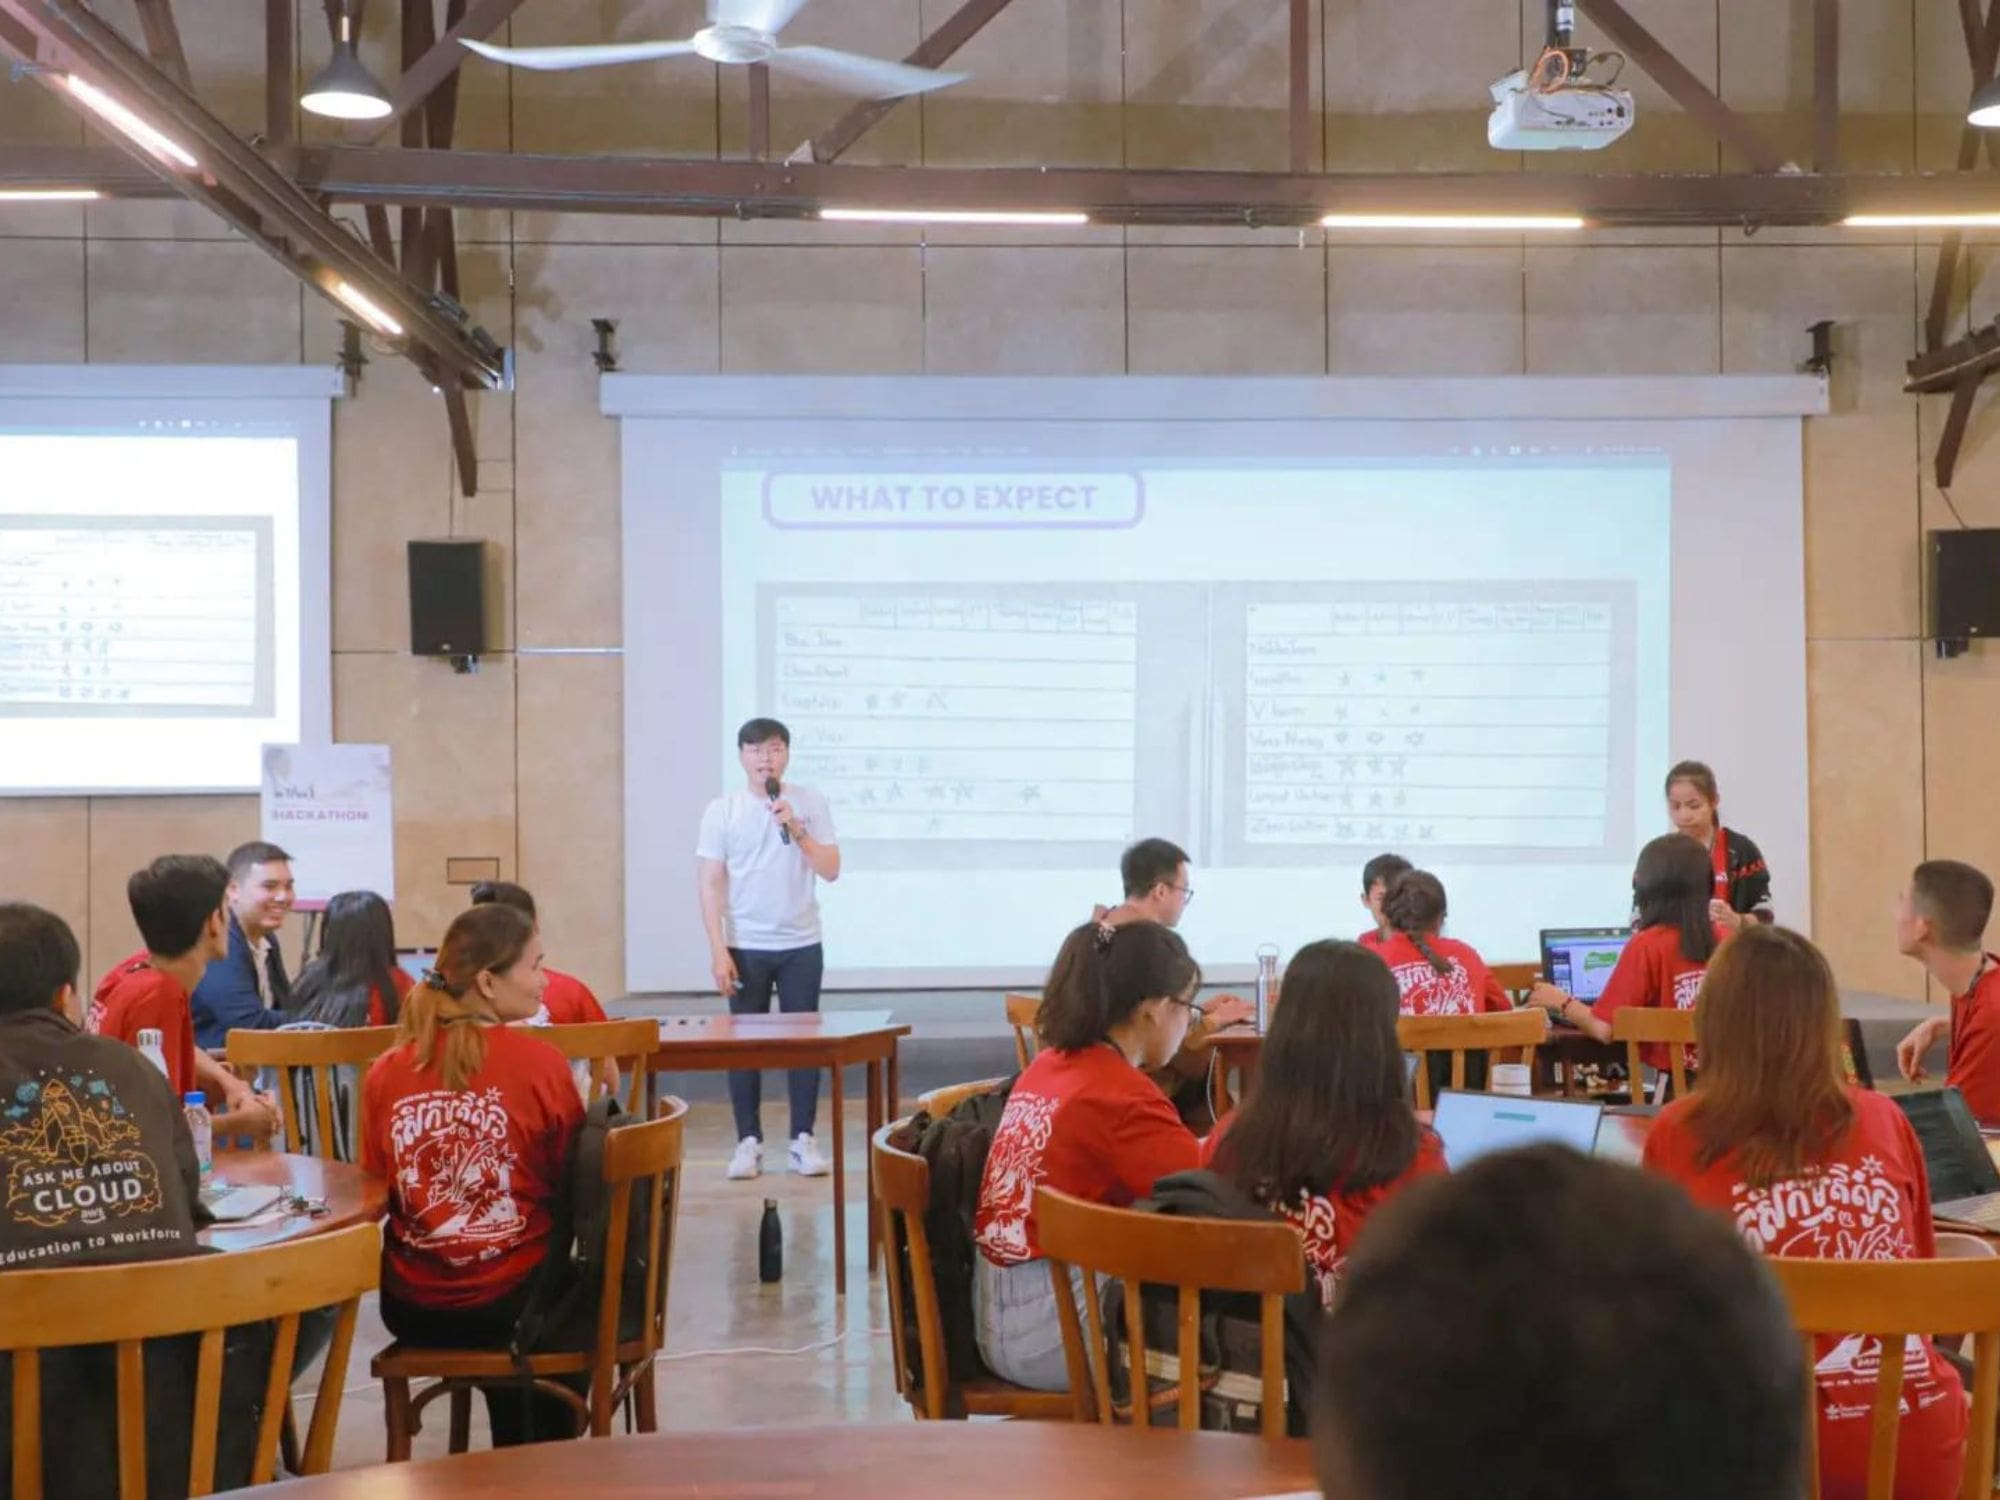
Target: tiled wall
point(523, 760)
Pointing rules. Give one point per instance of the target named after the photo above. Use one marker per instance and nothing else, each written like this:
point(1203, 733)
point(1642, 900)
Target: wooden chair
point(306, 1061)
point(1024, 1012)
point(1635, 1024)
point(1190, 1255)
point(610, 1047)
point(127, 1304)
point(1890, 1299)
point(923, 1373)
point(1517, 979)
point(638, 1159)
point(940, 1102)
point(1493, 1033)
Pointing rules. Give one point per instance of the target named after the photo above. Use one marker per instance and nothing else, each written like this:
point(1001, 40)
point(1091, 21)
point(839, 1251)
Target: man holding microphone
point(760, 852)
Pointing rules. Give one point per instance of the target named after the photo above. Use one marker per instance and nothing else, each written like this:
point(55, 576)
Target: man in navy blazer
point(248, 989)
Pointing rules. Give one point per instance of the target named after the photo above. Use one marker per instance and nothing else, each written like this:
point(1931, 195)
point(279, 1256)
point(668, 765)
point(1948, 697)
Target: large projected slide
point(157, 621)
point(1006, 649)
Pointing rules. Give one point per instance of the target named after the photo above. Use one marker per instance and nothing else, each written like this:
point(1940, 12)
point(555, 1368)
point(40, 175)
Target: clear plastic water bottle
point(202, 1127)
point(152, 1051)
point(1267, 982)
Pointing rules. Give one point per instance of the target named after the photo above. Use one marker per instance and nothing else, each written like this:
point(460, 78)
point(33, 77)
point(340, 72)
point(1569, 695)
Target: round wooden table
point(351, 1196)
point(994, 1460)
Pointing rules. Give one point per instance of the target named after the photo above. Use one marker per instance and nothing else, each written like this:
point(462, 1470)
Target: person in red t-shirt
point(177, 902)
point(354, 979)
point(1941, 923)
point(1376, 877)
point(567, 1001)
point(1669, 952)
point(471, 1121)
point(1435, 975)
point(1084, 1119)
point(1327, 1133)
point(1805, 1164)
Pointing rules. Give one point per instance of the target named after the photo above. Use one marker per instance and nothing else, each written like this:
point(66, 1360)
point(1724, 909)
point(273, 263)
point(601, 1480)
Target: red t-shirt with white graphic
point(472, 1173)
point(1372, 938)
point(568, 1000)
point(1652, 971)
point(1087, 1123)
point(1467, 990)
point(400, 981)
point(1973, 1061)
point(134, 996)
point(1329, 1222)
point(1867, 1199)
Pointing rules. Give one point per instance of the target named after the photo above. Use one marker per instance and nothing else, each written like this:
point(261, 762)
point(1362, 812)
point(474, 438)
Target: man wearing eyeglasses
point(1155, 872)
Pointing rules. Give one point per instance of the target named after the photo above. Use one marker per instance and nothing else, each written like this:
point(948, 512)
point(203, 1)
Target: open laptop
point(414, 961)
point(1472, 1125)
point(1965, 1185)
point(1580, 959)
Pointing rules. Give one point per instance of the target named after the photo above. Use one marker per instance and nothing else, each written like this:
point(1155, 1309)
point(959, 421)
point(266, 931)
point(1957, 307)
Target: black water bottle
point(770, 1245)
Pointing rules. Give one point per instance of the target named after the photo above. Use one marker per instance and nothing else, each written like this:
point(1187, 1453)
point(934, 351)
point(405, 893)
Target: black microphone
point(771, 790)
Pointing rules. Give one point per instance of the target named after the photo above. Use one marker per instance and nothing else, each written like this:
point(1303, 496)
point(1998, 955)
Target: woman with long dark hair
point(354, 980)
point(1327, 1132)
point(470, 1121)
point(1083, 1118)
point(1435, 975)
point(1806, 1164)
point(1672, 941)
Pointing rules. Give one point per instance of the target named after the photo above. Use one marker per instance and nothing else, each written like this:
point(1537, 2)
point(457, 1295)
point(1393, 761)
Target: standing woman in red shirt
point(355, 979)
point(1675, 936)
point(1742, 881)
point(1327, 1132)
point(1084, 1119)
point(471, 1121)
point(1806, 1164)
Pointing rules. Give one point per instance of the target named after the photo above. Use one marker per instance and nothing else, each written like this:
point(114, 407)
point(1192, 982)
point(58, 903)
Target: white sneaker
point(748, 1161)
point(805, 1157)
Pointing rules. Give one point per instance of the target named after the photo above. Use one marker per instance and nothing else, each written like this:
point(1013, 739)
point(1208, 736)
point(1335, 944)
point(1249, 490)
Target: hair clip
point(1105, 933)
point(436, 980)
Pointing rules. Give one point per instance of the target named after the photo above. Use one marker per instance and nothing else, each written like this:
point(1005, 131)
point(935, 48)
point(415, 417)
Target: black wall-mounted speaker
point(1965, 586)
point(448, 598)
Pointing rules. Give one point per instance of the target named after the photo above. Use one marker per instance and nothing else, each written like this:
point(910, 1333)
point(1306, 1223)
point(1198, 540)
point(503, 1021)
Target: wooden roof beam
point(440, 61)
point(960, 27)
point(1648, 53)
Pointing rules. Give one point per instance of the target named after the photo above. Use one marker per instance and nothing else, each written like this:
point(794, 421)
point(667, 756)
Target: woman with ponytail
point(1436, 975)
point(471, 1120)
point(1083, 1119)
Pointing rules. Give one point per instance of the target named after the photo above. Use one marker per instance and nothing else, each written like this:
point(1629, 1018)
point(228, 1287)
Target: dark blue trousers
point(795, 973)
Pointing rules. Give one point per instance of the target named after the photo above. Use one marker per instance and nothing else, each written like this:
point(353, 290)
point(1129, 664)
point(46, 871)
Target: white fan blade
point(557, 59)
point(768, 16)
point(870, 76)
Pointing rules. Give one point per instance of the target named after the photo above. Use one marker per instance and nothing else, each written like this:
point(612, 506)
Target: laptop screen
point(1580, 959)
point(1471, 1125)
point(414, 961)
point(1955, 1153)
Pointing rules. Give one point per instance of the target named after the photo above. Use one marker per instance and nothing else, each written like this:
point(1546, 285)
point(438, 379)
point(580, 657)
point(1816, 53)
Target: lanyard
point(1719, 857)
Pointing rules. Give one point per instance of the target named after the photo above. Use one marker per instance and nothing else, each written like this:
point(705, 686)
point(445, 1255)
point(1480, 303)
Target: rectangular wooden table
point(840, 1039)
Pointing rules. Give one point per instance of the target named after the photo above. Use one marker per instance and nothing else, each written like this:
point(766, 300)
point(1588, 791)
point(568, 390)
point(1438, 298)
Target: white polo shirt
point(772, 906)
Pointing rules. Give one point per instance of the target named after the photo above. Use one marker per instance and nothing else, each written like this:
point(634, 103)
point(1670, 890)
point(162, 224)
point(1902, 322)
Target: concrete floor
point(834, 1366)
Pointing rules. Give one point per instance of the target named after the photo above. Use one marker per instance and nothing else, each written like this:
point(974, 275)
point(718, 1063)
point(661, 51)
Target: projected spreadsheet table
point(961, 717)
point(118, 616)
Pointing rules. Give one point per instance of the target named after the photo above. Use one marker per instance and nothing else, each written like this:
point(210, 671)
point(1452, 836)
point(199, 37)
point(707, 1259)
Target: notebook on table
point(1965, 1185)
point(1473, 1125)
point(1579, 960)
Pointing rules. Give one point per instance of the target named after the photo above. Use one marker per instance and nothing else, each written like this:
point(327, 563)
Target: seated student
point(355, 980)
point(1679, 1375)
point(471, 1121)
point(1327, 1133)
point(100, 1170)
point(177, 902)
point(567, 1001)
point(248, 988)
point(1802, 1163)
point(1376, 877)
point(1663, 963)
point(1941, 923)
point(1436, 975)
point(1084, 1119)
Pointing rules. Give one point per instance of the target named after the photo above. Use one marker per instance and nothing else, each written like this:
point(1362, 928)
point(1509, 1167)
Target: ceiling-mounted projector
point(1573, 115)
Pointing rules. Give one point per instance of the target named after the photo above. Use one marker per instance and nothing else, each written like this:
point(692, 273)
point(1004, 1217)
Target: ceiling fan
point(739, 32)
